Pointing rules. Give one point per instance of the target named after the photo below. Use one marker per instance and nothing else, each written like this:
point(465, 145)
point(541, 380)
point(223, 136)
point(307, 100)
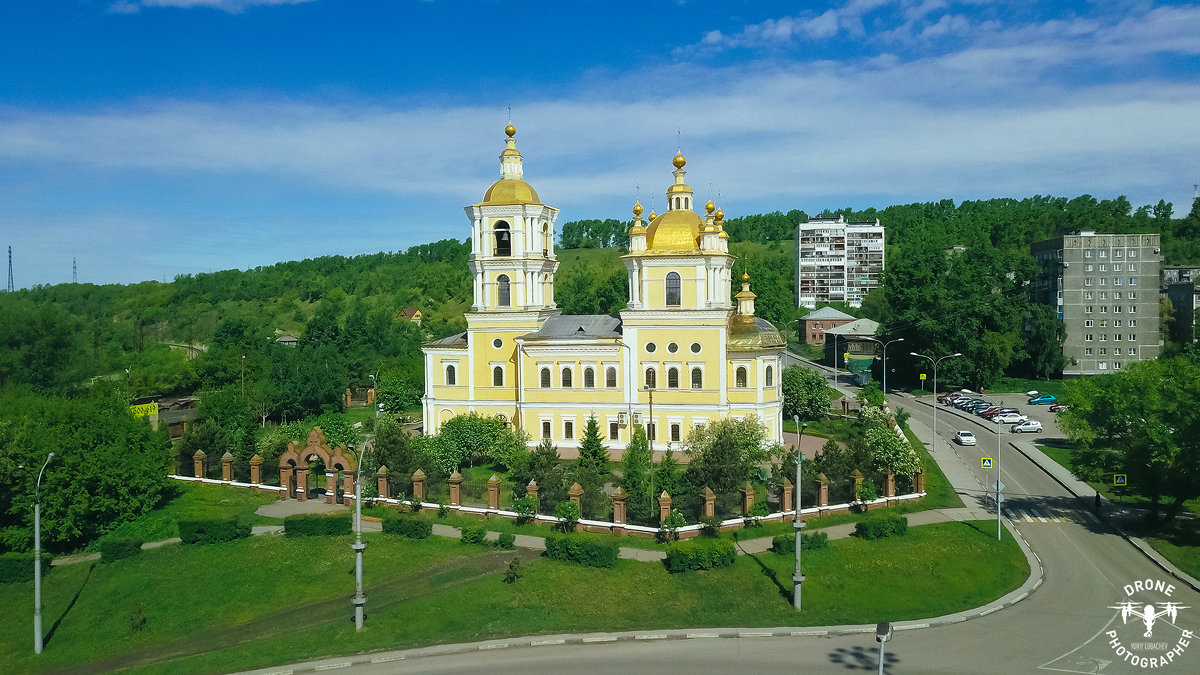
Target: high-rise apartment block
point(1105, 289)
point(837, 261)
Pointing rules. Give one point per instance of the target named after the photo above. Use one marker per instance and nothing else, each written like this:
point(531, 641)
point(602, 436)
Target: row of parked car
point(991, 412)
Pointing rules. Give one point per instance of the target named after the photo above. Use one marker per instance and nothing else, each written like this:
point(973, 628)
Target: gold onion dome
point(637, 208)
point(745, 276)
point(652, 216)
point(720, 215)
point(510, 130)
point(679, 160)
point(708, 208)
point(511, 188)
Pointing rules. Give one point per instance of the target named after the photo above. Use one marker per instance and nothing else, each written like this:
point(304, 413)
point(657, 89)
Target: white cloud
point(230, 6)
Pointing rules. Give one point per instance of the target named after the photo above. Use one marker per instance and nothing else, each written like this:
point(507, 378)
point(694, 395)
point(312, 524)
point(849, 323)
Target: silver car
point(1027, 426)
point(964, 438)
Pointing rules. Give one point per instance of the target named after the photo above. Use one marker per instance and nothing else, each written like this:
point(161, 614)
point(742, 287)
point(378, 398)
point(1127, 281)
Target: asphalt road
point(1058, 628)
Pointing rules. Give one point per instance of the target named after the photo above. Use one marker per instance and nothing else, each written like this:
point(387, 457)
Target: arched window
point(546, 239)
point(589, 378)
point(739, 377)
point(450, 375)
point(498, 376)
point(503, 239)
point(504, 292)
point(769, 377)
point(650, 378)
point(610, 377)
point(566, 377)
point(673, 292)
point(697, 378)
point(545, 378)
point(672, 378)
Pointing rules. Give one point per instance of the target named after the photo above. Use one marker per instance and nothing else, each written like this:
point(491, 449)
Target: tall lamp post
point(651, 432)
point(885, 346)
point(37, 558)
point(935, 362)
point(999, 426)
point(357, 547)
point(798, 577)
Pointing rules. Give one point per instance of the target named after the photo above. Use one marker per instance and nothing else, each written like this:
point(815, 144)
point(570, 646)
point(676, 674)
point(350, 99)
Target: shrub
point(669, 531)
point(786, 543)
point(526, 508)
point(115, 549)
point(443, 509)
point(413, 528)
point(311, 525)
point(414, 503)
point(568, 515)
point(881, 526)
point(16, 567)
point(700, 554)
point(710, 527)
point(867, 492)
point(583, 549)
point(474, 535)
point(212, 530)
point(507, 540)
point(759, 510)
point(514, 570)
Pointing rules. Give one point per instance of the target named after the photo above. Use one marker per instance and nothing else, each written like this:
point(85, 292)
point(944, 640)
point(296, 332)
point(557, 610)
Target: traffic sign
point(985, 462)
point(1120, 479)
point(998, 486)
point(999, 499)
point(922, 377)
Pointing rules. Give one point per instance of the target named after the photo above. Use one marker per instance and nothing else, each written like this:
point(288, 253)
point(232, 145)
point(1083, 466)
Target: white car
point(1009, 418)
point(964, 438)
point(1030, 426)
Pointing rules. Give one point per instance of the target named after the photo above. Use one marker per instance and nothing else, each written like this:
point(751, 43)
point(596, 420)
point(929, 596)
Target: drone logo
point(1148, 614)
point(1147, 652)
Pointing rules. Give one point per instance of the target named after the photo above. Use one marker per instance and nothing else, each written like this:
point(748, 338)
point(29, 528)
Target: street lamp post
point(357, 547)
point(37, 559)
point(651, 432)
point(798, 577)
point(883, 633)
point(933, 443)
point(999, 426)
point(885, 346)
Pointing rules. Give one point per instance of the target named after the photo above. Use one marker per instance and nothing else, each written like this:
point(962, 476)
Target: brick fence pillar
point(256, 470)
point(664, 506)
point(532, 490)
point(747, 499)
point(618, 500)
point(889, 487)
point(455, 481)
point(493, 487)
point(919, 482)
point(710, 502)
point(227, 466)
point(857, 477)
point(381, 484)
point(823, 492)
point(575, 494)
point(418, 479)
point(302, 483)
point(330, 487)
point(785, 501)
point(198, 464)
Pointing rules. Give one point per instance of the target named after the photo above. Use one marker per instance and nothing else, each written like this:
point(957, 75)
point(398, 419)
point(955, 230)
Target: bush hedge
point(15, 567)
point(116, 549)
point(474, 535)
point(583, 549)
point(312, 525)
point(413, 528)
point(507, 540)
point(212, 530)
point(700, 554)
point(878, 527)
point(786, 543)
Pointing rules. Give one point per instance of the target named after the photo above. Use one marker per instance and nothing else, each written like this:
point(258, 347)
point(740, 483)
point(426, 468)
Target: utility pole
point(37, 559)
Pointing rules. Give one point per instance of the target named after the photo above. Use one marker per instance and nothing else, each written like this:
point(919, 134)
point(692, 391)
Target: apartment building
point(837, 261)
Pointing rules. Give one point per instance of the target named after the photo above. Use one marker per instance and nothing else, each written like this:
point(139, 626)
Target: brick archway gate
point(293, 468)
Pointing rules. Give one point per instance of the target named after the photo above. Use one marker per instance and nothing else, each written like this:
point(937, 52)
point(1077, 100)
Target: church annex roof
point(458, 341)
point(578, 326)
point(857, 328)
point(827, 314)
point(752, 334)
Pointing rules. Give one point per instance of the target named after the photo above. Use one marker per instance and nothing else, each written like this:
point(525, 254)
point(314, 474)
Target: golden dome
point(510, 191)
point(708, 208)
point(510, 130)
point(637, 208)
point(745, 276)
point(652, 216)
point(752, 334)
point(675, 230)
point(720, 215)
point(679, 160)
point(637, 229)
point(723, 235)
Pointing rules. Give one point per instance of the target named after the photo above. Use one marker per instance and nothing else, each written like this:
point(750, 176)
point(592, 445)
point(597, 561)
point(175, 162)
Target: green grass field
point(272, 600)
point(194, 501)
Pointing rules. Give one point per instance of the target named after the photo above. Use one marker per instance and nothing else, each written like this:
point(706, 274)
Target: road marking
point(1037, 514)
point(749, 634)
point(1008, 514)
point(386, 659)
point(692, 636)
point(497, 645)
point(990, 610)
point(535, 643)
point(333, 666)
point(803, 633)
point(1091, 516)
point(911, 626)
point(649, 637)
point(1025, 515)
point(608, 638)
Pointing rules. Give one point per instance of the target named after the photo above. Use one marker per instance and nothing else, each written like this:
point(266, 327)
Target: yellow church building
point(680, 355)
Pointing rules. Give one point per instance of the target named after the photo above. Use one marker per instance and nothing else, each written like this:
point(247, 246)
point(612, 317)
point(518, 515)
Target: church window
point(566, 377)
point(545, 376)
point(614, 431)
point(497, 343)
point(589, 378)
point(504, 292)
point(545, 240)
point(498, 376)
point(697, 378)
point(568, 430)
point(673, 290)
point(672, 378)
point(770, 377)
point(652, 431)
point(610, 377)
point(450, 375)
point(651, 347)
point(545, 430)
point(672, 347)
point(695, 347)
point(650, 379)
point(675, 433)
point(503, 239)
point(739, 377)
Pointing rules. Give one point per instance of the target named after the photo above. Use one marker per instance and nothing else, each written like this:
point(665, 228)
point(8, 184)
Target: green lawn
point(1019, 385)
point(1122, 495)
point(195, 501)
point(272, 600)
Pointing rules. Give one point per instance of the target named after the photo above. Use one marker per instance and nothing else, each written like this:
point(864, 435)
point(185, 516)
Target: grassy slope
point(195, 501)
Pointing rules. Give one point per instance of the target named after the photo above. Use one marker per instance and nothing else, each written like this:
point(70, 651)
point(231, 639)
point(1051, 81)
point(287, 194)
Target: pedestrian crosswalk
point(1044, 514)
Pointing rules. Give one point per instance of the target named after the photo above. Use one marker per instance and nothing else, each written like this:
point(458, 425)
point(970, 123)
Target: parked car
point(964, 438)
point(964, 403)
point(1057, 407)
point(1009, 418)
point(1027, 426)
point(1043, 399)
point(983, 412)
point(992, 413)
point(949, 398)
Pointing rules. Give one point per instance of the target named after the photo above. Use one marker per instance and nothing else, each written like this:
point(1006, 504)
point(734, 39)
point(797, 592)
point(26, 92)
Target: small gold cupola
point(637, 233)
point(745, 300)
point(511, 188)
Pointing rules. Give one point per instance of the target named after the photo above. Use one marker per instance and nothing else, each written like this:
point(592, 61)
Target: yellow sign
point(1120, 479)
point(846, 355)
point(985, 462)
point(144, 409)
point(922, 377)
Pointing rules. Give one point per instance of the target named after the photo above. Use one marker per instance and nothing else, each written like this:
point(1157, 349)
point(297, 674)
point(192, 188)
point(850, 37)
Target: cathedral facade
point(684, 352)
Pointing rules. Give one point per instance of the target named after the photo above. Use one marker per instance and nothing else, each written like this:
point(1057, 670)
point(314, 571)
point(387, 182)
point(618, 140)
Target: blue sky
point(150, 138)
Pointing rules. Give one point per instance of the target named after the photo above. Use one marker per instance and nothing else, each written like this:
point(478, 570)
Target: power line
point(74, 272)
point(10, 279)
